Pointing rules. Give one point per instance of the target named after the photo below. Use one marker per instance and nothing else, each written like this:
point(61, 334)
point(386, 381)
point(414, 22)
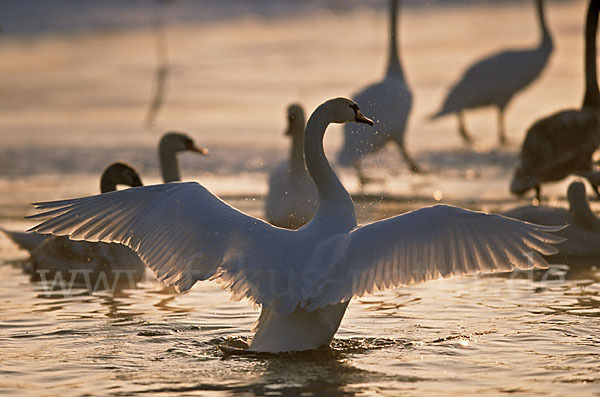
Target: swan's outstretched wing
point(429, 243)
point(182, 231)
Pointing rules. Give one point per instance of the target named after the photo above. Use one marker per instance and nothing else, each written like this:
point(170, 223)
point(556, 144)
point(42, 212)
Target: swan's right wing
point(422, 245)
point(182, 231)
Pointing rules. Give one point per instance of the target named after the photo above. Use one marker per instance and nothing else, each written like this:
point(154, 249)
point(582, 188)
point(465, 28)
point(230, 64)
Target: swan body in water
point(582, 231)
point(115, 174)
point(76, 261)
point(304, 278)
point(293, 197)
point(388, 102)
point(563, 143)
point(495, 79)
point(84, 262)
point(170, 144)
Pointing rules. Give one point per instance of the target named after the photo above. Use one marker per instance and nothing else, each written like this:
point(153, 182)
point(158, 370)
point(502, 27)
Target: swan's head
point(344, 110)
point(296, 120)
point(119, 174)
point(580, 210)
point(175, 142)
point(576, 192)
point(521, 182)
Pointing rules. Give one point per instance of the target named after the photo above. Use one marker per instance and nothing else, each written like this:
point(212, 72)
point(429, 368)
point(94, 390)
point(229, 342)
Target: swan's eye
point(354, 107)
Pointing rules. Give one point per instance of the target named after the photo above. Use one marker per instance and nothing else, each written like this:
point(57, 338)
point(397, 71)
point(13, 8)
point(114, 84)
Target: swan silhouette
point(563, 143)
point(293, 196)
point(87, 263)
point(115, 174)
point(304, 278)
point(78, 261)
point(170, 144)
point(582, 231)
point(388, 102)
point(495, 79)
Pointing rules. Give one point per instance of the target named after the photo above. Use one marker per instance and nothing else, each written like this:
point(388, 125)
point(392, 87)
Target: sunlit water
point(71, 104)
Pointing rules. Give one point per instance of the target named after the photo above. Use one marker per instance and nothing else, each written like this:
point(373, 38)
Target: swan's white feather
point(429, 243)
point(183, 232)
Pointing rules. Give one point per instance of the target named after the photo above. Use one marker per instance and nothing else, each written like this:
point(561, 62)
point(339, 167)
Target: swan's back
point(494, 80)
point(557, 146)
point(109, 261)
point(388, 103)
point(292, 199)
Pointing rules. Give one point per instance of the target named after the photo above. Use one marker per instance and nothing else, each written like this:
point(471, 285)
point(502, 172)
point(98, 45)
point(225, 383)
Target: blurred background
point(77, 79)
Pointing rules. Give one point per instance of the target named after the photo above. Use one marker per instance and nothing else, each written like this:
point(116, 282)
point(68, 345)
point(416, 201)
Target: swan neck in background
point(592, 96)
point(394, 65)
point(319, 169)
point(107, 182)
point(168, 164)
point(581, 212)
point(297, 151)
point(546, 38)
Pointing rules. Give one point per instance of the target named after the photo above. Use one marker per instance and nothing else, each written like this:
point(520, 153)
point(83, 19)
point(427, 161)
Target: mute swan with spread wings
point(305, 278)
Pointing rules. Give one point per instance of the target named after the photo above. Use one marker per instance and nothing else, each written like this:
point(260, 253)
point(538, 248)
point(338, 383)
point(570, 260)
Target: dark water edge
point(33, 17)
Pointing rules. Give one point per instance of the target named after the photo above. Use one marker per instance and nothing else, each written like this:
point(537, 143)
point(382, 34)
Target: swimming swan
point(495, 79)
point(170, 144)
point(564, 143)
point(582, 231)
point(115, 174)
point(388, 102)
point(293, 197)
point(305, 278)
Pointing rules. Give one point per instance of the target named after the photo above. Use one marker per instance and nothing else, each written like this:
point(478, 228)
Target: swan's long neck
point(168, 164)
point(107, 183)
point(297, 151)
point(329, 186)
point(546, 42)
point(580, 208)
point(592, 96)
point(394, 65)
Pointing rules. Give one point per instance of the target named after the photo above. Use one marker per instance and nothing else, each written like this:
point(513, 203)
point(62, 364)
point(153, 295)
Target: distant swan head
point(119, 174)
point(296, 120)
point(579, 207)
point(343, 110)
point(175, 142)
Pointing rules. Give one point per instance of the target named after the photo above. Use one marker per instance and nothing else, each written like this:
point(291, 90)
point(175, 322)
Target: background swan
point(293, 196)
point(51, 255)
point(115, 174)
point(563, 143)
point(170, 144)
point(388, 102)
point(582, 231)
point(495, 79)
point(305, 278)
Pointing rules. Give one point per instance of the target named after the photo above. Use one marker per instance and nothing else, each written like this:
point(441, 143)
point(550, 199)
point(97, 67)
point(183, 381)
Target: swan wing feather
point(182, 231)
point(425, 244)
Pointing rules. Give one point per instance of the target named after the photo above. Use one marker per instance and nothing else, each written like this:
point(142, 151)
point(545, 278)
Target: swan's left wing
point(183, 232)
point(429, 243)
